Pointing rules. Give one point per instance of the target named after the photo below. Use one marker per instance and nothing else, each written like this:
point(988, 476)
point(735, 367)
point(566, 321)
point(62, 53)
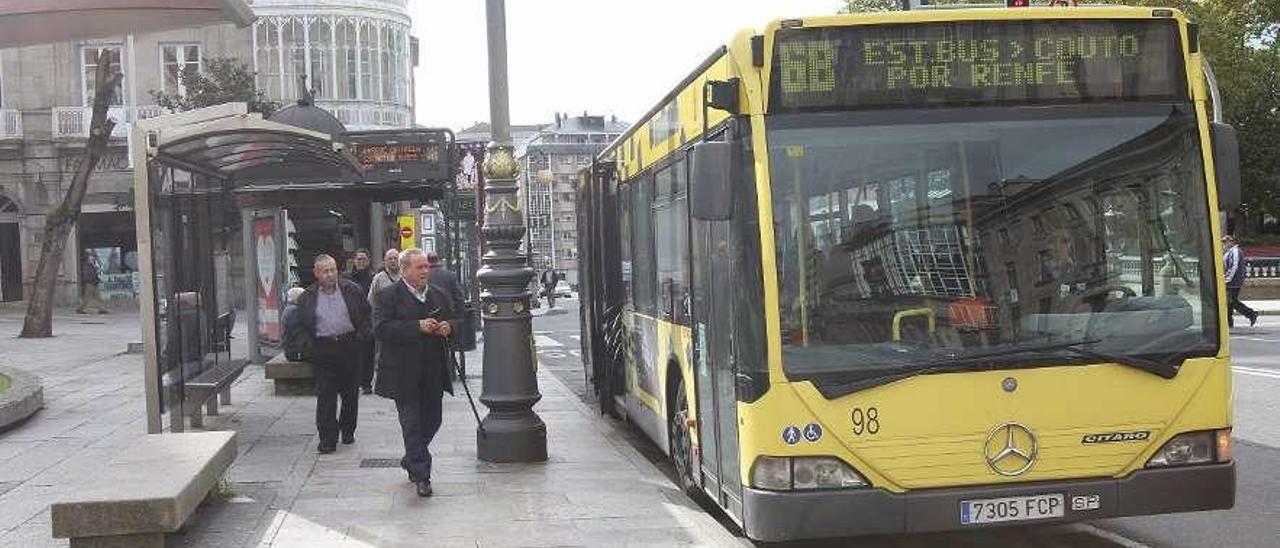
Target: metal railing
point(10, 123)
point(355, 114)
point(1262, 267)
point(73, 122)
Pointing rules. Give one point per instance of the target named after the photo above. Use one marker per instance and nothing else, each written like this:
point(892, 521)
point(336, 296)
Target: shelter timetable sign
point(403, 155)
point(976, 62)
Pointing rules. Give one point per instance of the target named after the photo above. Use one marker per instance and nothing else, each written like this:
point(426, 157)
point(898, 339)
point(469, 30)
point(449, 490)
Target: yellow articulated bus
point(925, 270)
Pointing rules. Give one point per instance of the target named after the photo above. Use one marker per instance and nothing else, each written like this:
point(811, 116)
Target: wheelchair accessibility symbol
point(812, 432)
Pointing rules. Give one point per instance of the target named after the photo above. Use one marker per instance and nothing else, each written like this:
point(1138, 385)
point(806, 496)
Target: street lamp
point(511, 432)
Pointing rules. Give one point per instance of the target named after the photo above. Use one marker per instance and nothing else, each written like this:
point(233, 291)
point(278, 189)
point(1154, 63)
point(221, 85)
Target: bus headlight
point(1194, 448)
point(800, 473)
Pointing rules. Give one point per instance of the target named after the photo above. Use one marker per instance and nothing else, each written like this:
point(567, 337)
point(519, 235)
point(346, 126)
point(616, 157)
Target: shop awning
point(28, 22)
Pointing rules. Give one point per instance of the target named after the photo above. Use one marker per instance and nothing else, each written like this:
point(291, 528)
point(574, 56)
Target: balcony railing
point(10, 124)
point(74, 122)
point(359, 114)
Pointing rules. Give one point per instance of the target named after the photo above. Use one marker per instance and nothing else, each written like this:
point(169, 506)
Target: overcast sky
point(613, 57)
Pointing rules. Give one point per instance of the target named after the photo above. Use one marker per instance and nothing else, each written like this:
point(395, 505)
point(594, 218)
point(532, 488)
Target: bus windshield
point(1058, 233)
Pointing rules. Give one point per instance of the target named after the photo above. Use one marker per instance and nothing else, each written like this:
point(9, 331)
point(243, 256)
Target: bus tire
point(679, 441)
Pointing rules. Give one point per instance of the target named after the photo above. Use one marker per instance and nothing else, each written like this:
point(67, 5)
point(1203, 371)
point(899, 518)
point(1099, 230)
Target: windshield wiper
point(844, 383)
point(1161, 369)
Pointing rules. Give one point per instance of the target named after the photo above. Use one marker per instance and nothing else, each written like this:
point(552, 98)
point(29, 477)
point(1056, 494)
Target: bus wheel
point(679, 440)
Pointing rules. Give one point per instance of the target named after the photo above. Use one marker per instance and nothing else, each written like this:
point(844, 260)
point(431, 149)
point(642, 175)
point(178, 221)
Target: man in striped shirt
point(1233, 268)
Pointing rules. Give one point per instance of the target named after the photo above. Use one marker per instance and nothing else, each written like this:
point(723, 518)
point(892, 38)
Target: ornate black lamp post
point(511, 432)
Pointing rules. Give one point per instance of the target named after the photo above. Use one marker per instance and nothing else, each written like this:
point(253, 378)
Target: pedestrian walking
point(334, 313)
point(448, 283)
point(1234, 272)
point(389, 274)
point(295, 342)
point(413, 320)
point(362, 275)
point(549, 279)
point(90, 300)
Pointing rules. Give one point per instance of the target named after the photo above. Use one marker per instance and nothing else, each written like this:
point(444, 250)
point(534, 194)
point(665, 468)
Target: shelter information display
point(402, 155)
point(976, 62)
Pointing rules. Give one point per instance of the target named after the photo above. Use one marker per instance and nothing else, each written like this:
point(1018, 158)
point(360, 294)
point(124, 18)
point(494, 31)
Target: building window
point(90, 58)
point(349, 58)
point(388, 74)
point(320, 41)
point(367, 45)
point(268, 57)
point(293, 40)
point(175, 60)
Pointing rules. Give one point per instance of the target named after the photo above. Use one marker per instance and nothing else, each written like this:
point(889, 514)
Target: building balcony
point(74, 122)
point(368, 114)
point(10, 124)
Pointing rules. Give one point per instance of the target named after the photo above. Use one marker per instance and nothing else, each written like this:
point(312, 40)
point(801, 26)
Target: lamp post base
point(519, 438)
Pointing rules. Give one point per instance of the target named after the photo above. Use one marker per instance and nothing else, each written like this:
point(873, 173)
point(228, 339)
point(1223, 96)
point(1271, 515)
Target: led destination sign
point(402, 155)
point(976, 62)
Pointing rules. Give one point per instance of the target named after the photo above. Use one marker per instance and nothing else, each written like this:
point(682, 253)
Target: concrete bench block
point(280, 367)
point(22, 399)
point(149, 489)
point(290, 378)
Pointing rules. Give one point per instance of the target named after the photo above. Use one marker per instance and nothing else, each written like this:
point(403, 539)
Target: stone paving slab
point(594, 490)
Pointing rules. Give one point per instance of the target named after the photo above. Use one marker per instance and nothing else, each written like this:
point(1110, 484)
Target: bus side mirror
point(711, 190)
point(1226, 164)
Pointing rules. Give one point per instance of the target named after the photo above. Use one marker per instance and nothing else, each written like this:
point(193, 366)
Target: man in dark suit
point(446, 281)
point(334, 315)
point(412, 321)
point(362, 275)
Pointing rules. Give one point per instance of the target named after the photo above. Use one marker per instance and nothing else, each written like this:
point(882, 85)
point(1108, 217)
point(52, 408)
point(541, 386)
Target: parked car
point(563, 289)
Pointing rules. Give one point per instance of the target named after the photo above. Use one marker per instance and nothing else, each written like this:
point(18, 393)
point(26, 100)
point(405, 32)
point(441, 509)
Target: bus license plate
point(1011, 509)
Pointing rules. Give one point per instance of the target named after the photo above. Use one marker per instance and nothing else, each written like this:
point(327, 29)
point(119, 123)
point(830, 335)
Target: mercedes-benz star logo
point(1010, 449)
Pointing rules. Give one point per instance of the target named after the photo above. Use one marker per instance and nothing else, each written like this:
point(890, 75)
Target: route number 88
point(865, 421)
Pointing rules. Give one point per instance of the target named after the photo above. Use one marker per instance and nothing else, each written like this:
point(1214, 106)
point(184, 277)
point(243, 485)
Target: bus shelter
point(208, 177)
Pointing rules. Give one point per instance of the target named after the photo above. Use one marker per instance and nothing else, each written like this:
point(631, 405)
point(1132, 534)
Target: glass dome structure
point(355, 55)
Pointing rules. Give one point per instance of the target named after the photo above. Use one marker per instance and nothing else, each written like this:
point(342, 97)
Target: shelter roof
point(241, 146)
point(28, 22)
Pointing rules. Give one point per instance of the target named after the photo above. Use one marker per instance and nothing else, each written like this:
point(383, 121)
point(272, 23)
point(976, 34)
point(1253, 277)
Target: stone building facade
point(552, 161)
point(357, 54)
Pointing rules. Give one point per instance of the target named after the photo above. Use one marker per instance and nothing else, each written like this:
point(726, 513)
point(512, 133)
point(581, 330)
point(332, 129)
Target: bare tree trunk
point(58, 225)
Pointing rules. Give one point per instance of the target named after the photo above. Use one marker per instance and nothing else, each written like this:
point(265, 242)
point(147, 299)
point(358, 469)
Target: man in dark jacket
point(1234, 271)
point(363, 276)
point(413, 321)
point(446, 281)
point(334, 313)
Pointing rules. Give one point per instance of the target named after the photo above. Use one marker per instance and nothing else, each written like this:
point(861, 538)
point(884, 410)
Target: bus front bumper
point(777, 516)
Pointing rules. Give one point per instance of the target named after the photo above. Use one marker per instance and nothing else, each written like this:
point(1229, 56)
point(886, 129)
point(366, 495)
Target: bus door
point(713, 282)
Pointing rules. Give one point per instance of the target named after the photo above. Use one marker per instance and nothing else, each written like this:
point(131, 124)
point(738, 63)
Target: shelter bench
point(289, 377)
point(143, 492)
point(200, 391)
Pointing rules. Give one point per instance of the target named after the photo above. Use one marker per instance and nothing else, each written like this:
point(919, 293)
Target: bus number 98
point(865, 421)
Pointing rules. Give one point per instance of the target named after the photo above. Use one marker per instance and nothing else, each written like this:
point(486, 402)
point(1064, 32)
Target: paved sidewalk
point(1265, 308)
point(595, 490)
